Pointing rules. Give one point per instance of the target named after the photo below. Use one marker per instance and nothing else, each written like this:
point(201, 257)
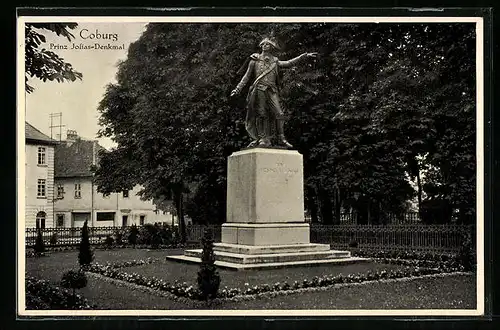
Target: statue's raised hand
point(314, 55)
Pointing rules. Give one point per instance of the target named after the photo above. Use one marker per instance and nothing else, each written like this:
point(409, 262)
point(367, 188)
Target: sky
point(78, 100)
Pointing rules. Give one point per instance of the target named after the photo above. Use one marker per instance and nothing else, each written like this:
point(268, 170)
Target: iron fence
point(97, 235)
point(448, 237)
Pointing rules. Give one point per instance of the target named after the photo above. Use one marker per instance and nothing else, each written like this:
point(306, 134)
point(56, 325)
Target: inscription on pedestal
point(280, 168)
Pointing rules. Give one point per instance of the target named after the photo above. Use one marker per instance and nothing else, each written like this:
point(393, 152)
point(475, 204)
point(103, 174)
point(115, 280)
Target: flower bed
point(40, 294)
point(414, 255)
point(132, 263)
point(111, 271)
point(33, 254)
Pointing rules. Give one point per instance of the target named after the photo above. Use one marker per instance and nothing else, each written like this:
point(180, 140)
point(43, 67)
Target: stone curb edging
point(265, 295)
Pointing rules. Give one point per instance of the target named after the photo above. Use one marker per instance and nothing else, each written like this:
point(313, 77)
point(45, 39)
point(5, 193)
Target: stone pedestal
point(265, 186)
point(265, 215)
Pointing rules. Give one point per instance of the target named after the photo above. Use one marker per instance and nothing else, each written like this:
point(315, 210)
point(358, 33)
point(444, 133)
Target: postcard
point(186, 165)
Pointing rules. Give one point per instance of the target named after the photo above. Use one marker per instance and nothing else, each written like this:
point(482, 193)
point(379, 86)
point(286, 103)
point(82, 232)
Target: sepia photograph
point(222, 166)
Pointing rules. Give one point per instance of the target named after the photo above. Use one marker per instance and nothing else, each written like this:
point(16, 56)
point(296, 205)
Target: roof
point(34, 135)
point(75, 159)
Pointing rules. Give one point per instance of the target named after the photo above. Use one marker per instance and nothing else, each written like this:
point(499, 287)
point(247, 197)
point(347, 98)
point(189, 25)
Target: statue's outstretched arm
point(294, 61)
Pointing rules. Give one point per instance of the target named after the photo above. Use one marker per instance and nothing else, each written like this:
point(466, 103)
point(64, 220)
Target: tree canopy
point(42, 63)
point(383, 105)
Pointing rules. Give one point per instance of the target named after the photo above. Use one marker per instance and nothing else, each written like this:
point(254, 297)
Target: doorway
point(124, 221)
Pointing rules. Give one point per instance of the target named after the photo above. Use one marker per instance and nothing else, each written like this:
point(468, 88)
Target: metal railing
point(448, 237)
point(97, 235)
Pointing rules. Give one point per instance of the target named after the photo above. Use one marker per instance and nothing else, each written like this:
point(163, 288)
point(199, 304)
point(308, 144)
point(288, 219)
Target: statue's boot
point(280, 127)
point(263, 130)
point(253, 144)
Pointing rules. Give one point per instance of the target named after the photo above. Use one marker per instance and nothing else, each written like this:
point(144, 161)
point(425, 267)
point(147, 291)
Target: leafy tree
point(208, 276)
point(156, 239)
point(74, 279)
point(42, 63)
point(133, 234)
point(85, 254)
point(53, 239)
point(109, 241)
point(388, 122)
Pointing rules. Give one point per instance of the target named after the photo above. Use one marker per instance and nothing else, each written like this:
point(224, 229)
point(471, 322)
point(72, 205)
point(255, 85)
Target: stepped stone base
point(270, 265)
point(239, 257)
point(270, 249)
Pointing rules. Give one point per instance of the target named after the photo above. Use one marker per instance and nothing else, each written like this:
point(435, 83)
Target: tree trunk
point(314, 210)
point(311, 205)
point(368, 215)
point(326, 208)
point(337, 206)
point(419, 191)
point(179, 201)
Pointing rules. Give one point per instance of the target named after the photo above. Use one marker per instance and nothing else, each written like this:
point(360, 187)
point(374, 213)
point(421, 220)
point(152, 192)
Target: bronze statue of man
point(265, 118)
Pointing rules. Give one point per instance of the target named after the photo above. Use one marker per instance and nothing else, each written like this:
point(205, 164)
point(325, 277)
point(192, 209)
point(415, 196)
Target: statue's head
point(268, 44)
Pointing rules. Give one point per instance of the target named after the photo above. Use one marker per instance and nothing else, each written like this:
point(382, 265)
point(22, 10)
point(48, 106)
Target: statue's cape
point(244, 67)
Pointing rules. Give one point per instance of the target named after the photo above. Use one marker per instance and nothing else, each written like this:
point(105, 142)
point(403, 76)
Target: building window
point(142, 219)
point(41, 188)
point(105, 216)
point(42, 151)
point(60, 191)
point(125, 194)
point(78, 190)
point(60, 221)
point(40, 220)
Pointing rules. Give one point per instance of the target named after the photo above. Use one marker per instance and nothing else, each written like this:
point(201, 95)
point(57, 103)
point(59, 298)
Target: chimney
point(71, 137)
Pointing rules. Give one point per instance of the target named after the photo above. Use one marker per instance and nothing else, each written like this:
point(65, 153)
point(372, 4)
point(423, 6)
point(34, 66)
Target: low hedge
point(132, 263)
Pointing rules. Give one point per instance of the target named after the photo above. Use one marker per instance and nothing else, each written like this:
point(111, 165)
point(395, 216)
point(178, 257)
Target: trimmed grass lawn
point(53, 266)
point(448, 292)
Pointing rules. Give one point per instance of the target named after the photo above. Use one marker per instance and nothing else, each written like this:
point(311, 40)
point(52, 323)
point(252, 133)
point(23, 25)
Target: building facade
point(77, 199)
point(39, 170)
